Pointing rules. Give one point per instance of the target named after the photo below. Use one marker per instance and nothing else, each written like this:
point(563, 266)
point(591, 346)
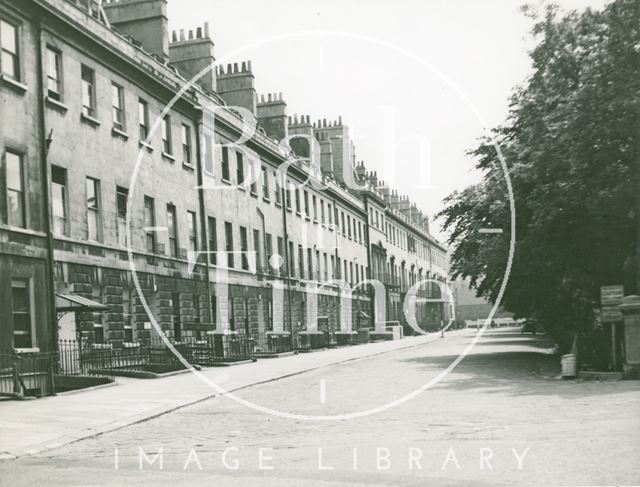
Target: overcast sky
point(422, 69)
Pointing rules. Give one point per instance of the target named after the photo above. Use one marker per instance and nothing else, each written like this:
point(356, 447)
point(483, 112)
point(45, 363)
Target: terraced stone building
point(123, 183)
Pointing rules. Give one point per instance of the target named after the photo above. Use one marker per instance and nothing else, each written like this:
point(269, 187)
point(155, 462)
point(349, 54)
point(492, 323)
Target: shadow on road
point(511, 363)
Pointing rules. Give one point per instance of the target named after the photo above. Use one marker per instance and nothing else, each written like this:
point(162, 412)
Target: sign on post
point(611, 295)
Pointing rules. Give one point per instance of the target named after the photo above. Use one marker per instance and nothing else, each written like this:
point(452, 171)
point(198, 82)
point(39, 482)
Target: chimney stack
point(144, 20)
point(272, 115)
point(193, 55)
point(235, 85)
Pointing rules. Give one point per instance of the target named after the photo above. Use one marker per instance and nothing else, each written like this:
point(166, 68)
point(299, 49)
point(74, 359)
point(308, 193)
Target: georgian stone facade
point(135, 177)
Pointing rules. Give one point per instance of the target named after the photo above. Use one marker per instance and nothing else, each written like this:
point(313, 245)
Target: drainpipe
point(372, 304)
point(337, 257)
point(203, 215)
point(265, 264)
point(264, 237)
point(45, 142)
point(288, 258)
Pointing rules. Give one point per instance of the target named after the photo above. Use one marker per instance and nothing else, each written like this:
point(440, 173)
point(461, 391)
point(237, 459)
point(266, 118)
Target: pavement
point(502, 416)
point(55, 421)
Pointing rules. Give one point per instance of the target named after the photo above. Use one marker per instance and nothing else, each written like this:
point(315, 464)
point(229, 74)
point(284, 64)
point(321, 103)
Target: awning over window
point(70, 302)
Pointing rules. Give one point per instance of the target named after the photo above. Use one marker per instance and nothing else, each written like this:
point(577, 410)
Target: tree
point(572, 146)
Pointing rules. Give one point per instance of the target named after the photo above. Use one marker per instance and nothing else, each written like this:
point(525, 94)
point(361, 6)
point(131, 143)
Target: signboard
point(611, 295)
point(610, 314)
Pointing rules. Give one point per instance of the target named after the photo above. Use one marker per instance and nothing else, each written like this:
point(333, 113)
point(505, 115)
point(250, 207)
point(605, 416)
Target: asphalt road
point(501, 417)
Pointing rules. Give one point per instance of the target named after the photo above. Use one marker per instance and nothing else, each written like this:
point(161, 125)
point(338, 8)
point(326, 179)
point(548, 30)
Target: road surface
point(501, 417)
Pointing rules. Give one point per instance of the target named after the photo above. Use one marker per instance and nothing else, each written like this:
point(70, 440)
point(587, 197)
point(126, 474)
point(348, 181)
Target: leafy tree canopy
point(572, 147)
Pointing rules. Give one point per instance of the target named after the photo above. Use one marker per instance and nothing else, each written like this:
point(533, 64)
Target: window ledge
point(56, 105)
point(14, 84)
point(265, 199)
point(225, 181)
point(254, 194)
point(94, 122)
point(167, 156)
point(144, 145)
point(188, 166)
point(26, 231)
point(315, 221)
point(116, 132)
point(27, 350)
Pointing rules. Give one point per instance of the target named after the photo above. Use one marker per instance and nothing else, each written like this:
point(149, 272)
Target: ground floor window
point(98, 324)
point(22, 314)
point(175, 316)
point(127, 314)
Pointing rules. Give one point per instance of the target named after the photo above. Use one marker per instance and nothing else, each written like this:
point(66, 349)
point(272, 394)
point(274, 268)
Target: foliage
point(572, 145)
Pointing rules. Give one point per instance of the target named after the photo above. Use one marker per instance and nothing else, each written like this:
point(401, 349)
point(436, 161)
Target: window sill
point(266, 200)
point(27, 350)
point(279, 205)
point(315, 221)
point(56, 105)
point(168, 157)
point(188, 166)
point(241, 188)
point(14, 84)
point(147, 147)
point(23, 230)
point(116, 132)
point(226, 181)
point(89, 120)
point(254, 194)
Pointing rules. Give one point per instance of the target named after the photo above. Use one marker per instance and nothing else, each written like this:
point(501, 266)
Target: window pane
point(20, 297)
point(21, 314)
point(92, 222)
point(57, 194)
point(16, 210)
point(53, 71)
point(121, 201)
point(115, 94)
point(166, 134)
point(9, 34)
point(92, 194)
point(8, 62)
point(14, 172)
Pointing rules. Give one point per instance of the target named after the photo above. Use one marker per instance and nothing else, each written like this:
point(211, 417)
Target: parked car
point(529, 327)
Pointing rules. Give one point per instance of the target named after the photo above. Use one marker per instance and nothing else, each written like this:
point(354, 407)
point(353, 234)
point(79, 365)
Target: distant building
point(471, 307)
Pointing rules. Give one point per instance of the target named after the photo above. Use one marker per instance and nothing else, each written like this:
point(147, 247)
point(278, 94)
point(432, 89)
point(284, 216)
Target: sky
point(417, 81)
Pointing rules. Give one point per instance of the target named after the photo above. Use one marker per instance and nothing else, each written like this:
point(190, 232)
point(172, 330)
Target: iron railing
point(215, 348)
point(44, 373)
